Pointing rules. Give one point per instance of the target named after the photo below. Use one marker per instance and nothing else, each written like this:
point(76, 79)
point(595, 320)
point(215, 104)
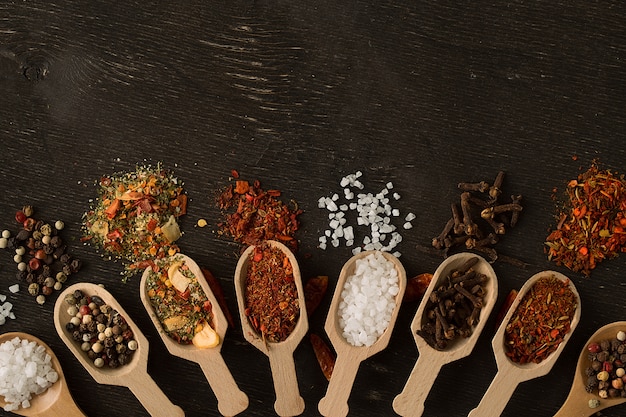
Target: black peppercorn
point(77, 335)
point(22, 235)
point(21, 275)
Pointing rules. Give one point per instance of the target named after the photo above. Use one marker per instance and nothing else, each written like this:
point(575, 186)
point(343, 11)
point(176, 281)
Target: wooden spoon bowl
point(134, 374)
point(231, 400)
point(57, 400)
point(280, 354)
point(410, 402)
point(511, 374)
point(349, 357)
point(577, 402)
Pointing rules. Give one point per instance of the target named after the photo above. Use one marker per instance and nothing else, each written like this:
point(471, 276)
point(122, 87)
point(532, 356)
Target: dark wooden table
point(297, 95)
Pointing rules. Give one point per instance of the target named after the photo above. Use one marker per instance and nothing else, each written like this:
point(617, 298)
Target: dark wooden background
point(298, 94)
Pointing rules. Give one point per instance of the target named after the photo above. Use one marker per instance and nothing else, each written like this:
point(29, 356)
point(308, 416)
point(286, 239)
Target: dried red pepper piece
point(218, 292)
point(314, 291)
point(325, 356)
point(416, 287)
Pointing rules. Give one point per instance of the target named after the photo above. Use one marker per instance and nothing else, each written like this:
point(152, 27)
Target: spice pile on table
point(43, 262)
point(271, 295)
point(542, 319)
point(374, 213)
point(479, 219)
point(592, 224)
point(252, 215)
point(135, 216)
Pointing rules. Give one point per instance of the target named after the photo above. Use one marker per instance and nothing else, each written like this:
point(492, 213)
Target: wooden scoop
point(56, 401)
point(349, 357)
point(511, 374)
point(410, 402)
point(231, 400)
point(288, 399)
point(577, 402)
point(134, 374)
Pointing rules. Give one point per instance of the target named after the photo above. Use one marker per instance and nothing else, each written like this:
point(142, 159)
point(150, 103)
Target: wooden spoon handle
point(335, 402)
point(230, 399)
point(410, 402)
point(497, 396)
point(64, 406)
point(152, 398)
point(288, 400)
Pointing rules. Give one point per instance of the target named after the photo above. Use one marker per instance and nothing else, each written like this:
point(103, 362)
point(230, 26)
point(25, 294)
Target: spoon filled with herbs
point(191, 324)
point(360, 321)
point(55, 400)
point(118, 355)
point(547, 307)
point(599, 377)
point(271, 302)
point(448, 323)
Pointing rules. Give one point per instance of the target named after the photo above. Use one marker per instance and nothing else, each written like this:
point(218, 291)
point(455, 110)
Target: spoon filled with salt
point(372, 282)
point(580, 402)
point(134, 374)
point(465, 270)
point(260, 271)
point(56, 400)
point(547, 299)
point(204, 348)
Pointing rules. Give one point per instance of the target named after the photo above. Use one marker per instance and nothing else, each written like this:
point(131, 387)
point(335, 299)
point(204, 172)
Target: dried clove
point(475, 186)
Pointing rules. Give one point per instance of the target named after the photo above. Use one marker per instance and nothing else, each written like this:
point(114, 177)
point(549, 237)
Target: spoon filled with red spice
point(448, 345)
point(548, 307)
point(191, 324)
point(581, 402)
point(132, 374)
point(370, 282)
point(56, 400)
point(271, 302)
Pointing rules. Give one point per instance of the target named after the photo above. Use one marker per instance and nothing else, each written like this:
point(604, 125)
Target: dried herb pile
point(135, 216)
point(542, 319)
point(271, 294)
point(252, 215)
point(591, 225)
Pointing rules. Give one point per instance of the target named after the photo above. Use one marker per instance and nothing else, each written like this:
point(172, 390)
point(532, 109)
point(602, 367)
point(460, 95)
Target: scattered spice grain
point(541, 320)
point(591, 225)
point(270, 294)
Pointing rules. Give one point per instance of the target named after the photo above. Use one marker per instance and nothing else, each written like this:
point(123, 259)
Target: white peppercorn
point(133, 345)
point(20, 251)
point(85, 346)
point(6, 234)
point(61, 277)
point(17, 258)
point(41, 299)
point(98, 362)
point(75, 321)
point(21, 266)
point(59, 225)
point(97, 347)
point(57, 286)
point(33, 289)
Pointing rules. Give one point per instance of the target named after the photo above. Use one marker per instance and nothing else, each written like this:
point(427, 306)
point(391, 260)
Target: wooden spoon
point(576, 404)
point(410, 402)
point(511, 374)
point(288, 400)
point(134, 374)
point(231, 400)
point(349, 357)
point(57, 400)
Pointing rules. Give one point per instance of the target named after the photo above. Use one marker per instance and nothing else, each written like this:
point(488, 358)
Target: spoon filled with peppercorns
point(56, 400)
point(108, 344)
point(599, 380)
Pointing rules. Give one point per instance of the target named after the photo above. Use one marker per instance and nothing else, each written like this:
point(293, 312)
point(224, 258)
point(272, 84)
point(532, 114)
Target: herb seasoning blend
point(542, 319)
point(181, 304)
point(270, 293)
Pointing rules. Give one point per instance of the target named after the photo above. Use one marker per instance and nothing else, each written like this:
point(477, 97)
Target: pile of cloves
point(453, 309)
point(479, 218)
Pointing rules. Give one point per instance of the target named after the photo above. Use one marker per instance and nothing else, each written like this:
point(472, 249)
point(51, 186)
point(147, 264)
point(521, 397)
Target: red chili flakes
point(252, 215)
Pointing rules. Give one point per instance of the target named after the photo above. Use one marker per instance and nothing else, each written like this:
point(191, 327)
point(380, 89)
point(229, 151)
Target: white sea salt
point(25, 370)
point(368, 299)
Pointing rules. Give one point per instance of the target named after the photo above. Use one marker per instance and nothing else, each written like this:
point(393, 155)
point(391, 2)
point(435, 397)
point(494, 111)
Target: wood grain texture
point(297, 95)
